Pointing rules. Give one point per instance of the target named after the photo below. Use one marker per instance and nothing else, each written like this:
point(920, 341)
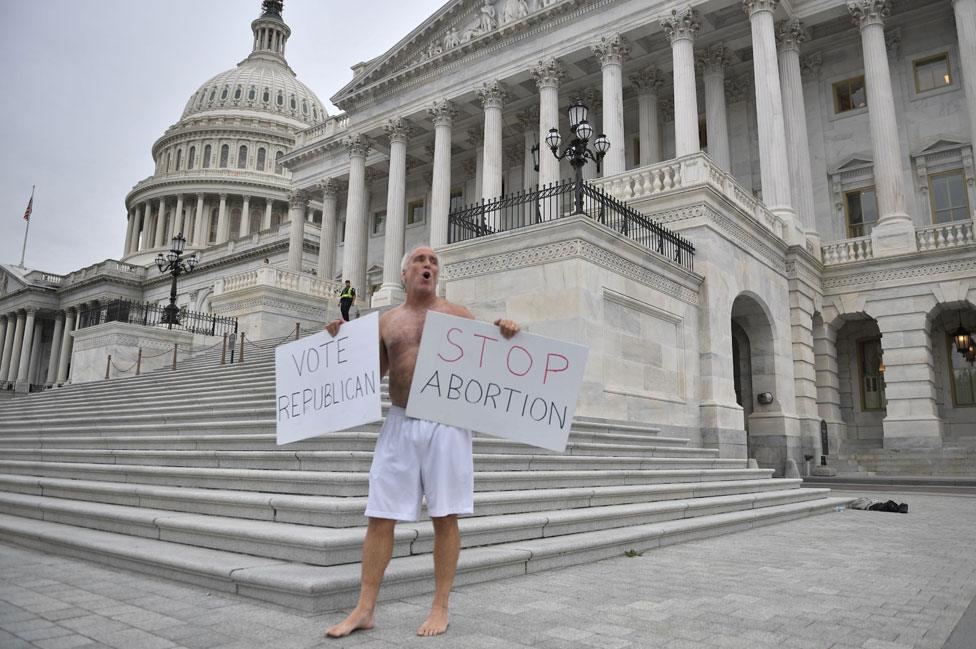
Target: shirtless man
point(414, 452)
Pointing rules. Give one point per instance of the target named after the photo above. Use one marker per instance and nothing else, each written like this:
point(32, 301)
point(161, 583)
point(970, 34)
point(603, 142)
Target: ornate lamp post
point(174, 264)
point(577, 150)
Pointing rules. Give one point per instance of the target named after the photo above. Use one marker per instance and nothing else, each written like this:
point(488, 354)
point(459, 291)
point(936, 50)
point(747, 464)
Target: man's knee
point(382, 525)
point(445, 524)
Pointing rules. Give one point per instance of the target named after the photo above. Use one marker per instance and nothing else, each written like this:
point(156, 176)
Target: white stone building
point(817, 154)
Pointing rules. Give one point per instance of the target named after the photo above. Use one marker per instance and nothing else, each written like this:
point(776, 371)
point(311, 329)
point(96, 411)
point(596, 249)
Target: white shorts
point(416, 458)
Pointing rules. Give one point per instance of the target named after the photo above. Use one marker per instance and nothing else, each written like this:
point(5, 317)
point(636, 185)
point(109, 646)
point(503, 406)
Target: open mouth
point(426, 274)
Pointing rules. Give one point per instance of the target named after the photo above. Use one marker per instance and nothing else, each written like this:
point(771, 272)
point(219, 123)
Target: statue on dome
point(272, 8)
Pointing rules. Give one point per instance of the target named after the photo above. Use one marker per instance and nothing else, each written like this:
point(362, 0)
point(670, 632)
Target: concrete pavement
point(853, 579)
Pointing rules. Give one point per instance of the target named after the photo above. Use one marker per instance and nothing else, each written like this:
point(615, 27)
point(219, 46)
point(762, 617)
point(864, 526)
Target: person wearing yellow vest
point(346, 299)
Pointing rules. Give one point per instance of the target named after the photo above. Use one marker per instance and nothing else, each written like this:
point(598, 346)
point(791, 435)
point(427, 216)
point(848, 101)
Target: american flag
point(30, 207)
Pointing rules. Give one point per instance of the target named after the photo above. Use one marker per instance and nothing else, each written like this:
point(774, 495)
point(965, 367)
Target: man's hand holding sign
point(427, 454)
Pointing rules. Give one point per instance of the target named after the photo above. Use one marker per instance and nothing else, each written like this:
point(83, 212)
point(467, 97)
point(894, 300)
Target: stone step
point(337, 483)
point(331, 511)
point(355, 460)
point(323, 588)
point(323, 546)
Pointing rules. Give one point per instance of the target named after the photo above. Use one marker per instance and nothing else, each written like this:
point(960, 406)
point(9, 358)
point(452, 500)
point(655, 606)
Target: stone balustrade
point(847, 251)
point(946, 235)
point(328, 128)
point(271, 277)
point(109, 267)
point(681, 174)
point(264, 177)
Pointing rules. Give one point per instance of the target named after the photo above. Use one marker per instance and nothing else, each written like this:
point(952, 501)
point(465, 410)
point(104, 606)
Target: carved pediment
point(457, 28)
point(939, 144)
point(853, 163)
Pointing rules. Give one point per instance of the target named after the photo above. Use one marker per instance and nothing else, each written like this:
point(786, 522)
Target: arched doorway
point(754, 378)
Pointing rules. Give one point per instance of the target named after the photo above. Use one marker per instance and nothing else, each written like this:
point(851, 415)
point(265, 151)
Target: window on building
point(278, 167)
point(948, 194)
point(304, 107)
point(457, 200)
point(179, 159)
point(213, 94)
point(315, 113)
point(293, 103)
point(223, 93)
point(251, 93)
point(261, 155)
point(962, 376)
point(849, 94)
point(212, 232)
point(168, 160)
point(191, 159)
point(224, 156)
point(415, 212)
point(871, 370)
point(281, 98)
point(206, 157)
point(242, 157)
point(379, 222)
point(266, 97)
point(861, 207)
point(932, 72)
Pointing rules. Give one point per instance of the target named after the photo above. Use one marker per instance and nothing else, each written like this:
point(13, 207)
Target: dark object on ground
point(876, 505)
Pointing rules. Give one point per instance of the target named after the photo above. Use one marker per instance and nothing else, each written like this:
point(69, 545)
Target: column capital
point(223, 196)
point(612, 49)
point(59, 315)
point(492, 94)
point(681, 24)
point(548, 73)
point(716, 58)
point(865, 13)
point(475, 135)
point(398, 130)
point(752, 7)
point(666, 108)
point(811, 64)
point(329, 187)
point(200, 196)
point(648, 80)
point(528, 119)
point(297, 198)
point(358, 145)
point(442, 112)
point(790, 33)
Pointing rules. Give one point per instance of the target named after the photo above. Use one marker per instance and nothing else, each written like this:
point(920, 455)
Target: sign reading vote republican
point(523, 388)
point(324, 384)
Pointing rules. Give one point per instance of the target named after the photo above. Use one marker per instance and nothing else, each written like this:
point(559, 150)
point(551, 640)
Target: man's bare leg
point(447, 548)
point(377, 550)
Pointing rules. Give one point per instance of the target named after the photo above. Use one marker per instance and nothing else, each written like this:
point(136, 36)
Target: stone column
point(713, 62)
point(130, 224)
point(52, 365)
point(327, 238)
point(548, 73)
point(297, 203)
point(3, 334)
point(391, 291)
point(66, 342)
point(266, 221)
point(894, 233)
point(146, 226)
point(492, 97)
point(223, 223)
point(160, 239)
point(354, 247)
point(769, 113)
point(199, 235)
point(245, 225)
point(25, 352)
point(9, 324)
point(611, 51)
point(681, 28)
point(35, 373)
point(649, 82)
point(476, 138)
point(442, 114)
point(132, 235)
point(178, 218)
point(965, 11)
point(789, 35)
point(528, 123)
point(11, 350)
point(912, 414)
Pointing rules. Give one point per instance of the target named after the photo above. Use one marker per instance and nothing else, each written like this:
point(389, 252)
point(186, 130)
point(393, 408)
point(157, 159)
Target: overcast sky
point(89, 85)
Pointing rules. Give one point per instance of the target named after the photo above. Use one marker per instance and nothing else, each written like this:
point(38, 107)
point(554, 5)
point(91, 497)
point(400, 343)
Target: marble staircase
point(177, 474)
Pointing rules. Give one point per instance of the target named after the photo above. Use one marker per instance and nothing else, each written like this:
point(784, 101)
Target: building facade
point(816, 153)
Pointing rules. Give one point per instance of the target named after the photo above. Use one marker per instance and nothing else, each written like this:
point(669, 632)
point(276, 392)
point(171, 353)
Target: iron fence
point(153, 315)
point(558, 200)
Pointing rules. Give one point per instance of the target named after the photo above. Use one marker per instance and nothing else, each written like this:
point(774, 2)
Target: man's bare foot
point(436, 623)
point(357, 620)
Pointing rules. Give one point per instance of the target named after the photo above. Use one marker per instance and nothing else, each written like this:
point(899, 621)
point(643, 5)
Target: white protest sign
point(524, 388)
point(324, 384)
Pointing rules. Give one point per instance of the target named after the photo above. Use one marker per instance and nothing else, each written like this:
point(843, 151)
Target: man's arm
point(508, 327)
point(333, 329)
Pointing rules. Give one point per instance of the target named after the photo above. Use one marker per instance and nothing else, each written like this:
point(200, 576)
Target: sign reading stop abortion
point(523, 388)
point(324, 384)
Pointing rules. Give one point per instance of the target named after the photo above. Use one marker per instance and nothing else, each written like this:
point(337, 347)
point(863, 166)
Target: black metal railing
point(528, 207)
point(153, 315)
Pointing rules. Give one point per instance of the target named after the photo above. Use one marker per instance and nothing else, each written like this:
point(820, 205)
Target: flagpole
point(23, 250)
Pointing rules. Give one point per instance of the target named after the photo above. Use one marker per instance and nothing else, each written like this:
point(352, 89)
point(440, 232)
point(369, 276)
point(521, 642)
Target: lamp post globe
point(174, 264)
point(577, 150)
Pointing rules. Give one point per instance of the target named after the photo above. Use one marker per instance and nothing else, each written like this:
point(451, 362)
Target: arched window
point(278, 167)
point(266, 97)
point(251, 93)
point(213, 94)
point(224, 155)
point(294, 104)
point(206, 157)
point(261, 155)
point(235, 222)
point(238, 92)
point(166, 168)
point(179, 159)
point(304, 107)
point(212, 231)
point(223, 93)
point(242, 157)
point(201, 97)
point(315, 113)
point(191, 158)
point(281, 98)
